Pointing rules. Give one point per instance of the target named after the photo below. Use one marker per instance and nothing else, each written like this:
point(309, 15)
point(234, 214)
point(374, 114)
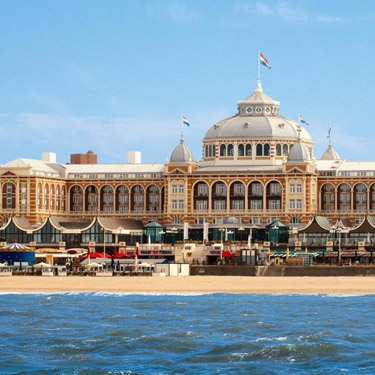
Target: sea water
point(92, 333)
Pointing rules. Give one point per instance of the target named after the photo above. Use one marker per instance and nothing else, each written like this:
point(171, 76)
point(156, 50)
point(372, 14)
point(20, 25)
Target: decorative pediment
point(8, 173)
point(176, 170)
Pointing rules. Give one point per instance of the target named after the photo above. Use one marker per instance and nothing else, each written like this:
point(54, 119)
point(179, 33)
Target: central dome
point(258, 117)
point(257, 135)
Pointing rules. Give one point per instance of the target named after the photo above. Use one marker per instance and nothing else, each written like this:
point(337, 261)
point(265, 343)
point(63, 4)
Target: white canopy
point(93, 265)
point(41, 265)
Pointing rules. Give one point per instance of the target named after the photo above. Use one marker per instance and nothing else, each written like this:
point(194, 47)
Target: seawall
point(298, 271)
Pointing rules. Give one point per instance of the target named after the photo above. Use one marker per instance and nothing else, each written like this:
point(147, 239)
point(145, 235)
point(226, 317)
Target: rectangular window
point(138, 199)
point(180, 204)
point(299, 188)
point(255, 220)
point(220, 189)
point(180, 189)
point(201, 205)
point(176, 220)
point(274, 204)
point(174, 189)
point(292, 188)
point(239, 189)
point(174, 205)
point(238, 205)
point(256, 204)
point(138, 209)
point(275, 189)
point(23, 197)
point(257, 189)
point(123, 199)
point(219, 205)
point(202, 190)
point(218, 220)
point(292, 204)
point(299, 203)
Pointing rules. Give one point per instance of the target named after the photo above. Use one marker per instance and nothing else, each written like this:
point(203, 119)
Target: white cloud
point(284, 11)
point(176, 10)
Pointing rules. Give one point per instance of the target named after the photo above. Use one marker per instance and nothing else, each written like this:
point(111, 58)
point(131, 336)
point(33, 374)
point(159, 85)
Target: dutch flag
point(302, 120)
point(264, 61)
point(185, 121)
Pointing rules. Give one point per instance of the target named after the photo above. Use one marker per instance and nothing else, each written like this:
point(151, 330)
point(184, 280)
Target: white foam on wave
point(116, 294)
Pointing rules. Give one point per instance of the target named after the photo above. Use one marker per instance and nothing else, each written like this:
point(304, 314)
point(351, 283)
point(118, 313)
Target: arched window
point(248, 149)
point(259, 149)
point(360, 198)
point(344, 197)
point(230, 150)
point(241, 150)
point(278, 149)
point(266, 150)
point(223, 150)
point(285, 150)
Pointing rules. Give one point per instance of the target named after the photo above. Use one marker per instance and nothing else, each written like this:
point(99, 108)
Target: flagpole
point(182, 129)
point(259, 66)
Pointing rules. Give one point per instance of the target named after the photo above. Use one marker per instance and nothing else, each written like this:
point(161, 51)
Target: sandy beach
point(195, 284)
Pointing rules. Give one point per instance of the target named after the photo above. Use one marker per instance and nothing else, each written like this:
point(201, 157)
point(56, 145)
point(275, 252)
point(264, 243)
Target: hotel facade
point(256, 168)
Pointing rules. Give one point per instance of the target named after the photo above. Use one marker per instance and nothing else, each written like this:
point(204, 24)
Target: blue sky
point(114, 76)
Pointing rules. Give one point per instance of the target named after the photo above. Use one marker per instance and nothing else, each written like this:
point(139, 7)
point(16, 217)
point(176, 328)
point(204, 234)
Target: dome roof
point(256, 127)
point(258, 116)
point(298, 153)
point(330, 154)
point(181, 154)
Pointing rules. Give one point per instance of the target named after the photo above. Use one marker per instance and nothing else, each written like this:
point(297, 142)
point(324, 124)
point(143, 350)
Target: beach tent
point(41, 265)
point(93, 265)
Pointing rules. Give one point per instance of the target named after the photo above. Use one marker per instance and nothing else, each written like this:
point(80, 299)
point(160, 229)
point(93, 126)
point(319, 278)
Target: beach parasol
point(16, 246)
point(41, 265)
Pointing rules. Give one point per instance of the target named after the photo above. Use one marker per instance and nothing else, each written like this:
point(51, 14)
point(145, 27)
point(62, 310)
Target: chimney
point(134, 157)
point(49, 157)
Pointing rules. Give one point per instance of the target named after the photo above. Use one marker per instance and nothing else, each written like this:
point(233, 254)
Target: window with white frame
point(275, 188)
point(220, 189)
point(219, 204)
point(299, 188)
point(239, 189)
point(238, 205)
point(23, 196)
point(218, 220)
point(138, 199)
point(202, 189)
point(274, 204)
point(180, 204)
point(174, 189)
point(201, 205)
point(174, 205)
point(292, 188)
point(298, 204)
point(256, 204)
point(292, 204)
point(176, 220)
point(255, 220)
point(180, 189)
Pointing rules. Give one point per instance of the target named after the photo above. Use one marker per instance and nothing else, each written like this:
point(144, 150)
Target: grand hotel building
point(256, 167)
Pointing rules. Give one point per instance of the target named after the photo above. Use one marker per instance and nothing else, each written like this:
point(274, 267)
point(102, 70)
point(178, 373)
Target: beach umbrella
point(41, 265)
point(16, 246)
